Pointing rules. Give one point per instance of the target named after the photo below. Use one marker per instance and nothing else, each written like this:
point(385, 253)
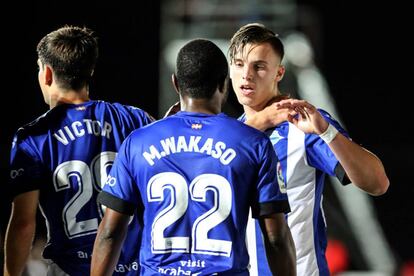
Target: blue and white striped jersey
point(66, 154)
point(305, 160)
point(194, 177)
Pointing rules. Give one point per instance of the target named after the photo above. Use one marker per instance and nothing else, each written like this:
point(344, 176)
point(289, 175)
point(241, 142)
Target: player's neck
point(210, 106)
point(250, 110)
point(69, 97)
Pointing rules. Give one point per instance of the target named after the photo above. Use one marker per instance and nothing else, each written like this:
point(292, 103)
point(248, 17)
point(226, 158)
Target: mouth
point(246, 90)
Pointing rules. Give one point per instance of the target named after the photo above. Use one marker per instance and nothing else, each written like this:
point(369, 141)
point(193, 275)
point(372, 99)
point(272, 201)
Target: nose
point(247, 73)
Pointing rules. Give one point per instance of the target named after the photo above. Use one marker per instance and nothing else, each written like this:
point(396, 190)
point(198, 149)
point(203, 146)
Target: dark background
point(365, 54)
point(367, 60)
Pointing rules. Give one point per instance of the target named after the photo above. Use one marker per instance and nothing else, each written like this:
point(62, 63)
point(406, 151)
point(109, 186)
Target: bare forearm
point(280, 248)
point(282, 256)
point(106, 254)
point(362, 167)
point(108, 242)
point(18, 244)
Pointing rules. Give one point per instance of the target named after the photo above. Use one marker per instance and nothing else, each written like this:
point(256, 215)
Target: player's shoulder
point(242, 119)
point(245, 129)
point(118, 106)
point(38, 126)
point(150, 128)
point(124, 111)
point(326, 114)
point(243, 134)
point(332, 120)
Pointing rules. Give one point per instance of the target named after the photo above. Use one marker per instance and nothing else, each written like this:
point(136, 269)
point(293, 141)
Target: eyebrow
point(255, 61)
point(260, 61)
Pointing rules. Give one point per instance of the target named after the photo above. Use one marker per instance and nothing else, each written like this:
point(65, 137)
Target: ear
point(175, 83)
point(280, 73)
point(48, 75)
point(223, 85)
point(230, 70)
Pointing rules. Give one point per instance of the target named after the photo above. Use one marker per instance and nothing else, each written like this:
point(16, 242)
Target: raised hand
point(308, 118)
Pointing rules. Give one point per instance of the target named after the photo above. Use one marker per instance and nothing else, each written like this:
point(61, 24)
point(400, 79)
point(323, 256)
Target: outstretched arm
point(108, 243)
point(362, 167)
point(20, 232)
point(280, 249)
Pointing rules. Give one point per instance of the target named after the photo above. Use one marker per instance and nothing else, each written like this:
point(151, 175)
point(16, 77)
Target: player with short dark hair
point(59, 161)
point(193, 177)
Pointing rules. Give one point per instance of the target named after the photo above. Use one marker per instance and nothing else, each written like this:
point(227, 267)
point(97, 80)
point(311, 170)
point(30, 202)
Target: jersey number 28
point(88, 178)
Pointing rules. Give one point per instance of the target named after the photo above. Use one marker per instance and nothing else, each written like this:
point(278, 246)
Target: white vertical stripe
point(301, 193)
point(251, 244)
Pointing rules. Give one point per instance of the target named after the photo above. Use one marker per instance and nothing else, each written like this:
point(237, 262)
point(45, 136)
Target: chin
point(245, 101)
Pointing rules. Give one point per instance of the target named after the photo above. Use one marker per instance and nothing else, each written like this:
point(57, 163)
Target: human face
point(255, 73)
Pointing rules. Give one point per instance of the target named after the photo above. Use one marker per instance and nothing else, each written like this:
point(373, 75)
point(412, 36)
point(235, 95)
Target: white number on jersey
point(88, 179)
point(177, 207)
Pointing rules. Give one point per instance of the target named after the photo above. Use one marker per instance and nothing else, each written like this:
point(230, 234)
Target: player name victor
point(198, 144)
point(79, 128)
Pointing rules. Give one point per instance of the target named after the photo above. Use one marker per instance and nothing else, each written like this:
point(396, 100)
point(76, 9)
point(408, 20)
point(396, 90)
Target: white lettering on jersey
point(122, 268)
point(78, 129)
point(217, 150)
point(181, 269)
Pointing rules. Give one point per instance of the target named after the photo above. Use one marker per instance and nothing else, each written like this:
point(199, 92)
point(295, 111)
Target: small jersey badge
point(280, 179)
point(196, 126)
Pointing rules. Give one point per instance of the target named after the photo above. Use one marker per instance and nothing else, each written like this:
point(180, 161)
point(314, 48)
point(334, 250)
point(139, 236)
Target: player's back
point(197, 176)
point(66, 154)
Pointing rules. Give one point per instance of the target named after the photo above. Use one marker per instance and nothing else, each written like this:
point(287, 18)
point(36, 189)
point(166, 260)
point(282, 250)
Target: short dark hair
point(72, 53)
point(254, 33)
point(201, 67)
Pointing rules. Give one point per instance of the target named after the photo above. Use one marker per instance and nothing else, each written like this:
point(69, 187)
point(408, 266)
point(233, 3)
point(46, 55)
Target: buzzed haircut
point(201, 67)
point(254, 33)
point(72, 53)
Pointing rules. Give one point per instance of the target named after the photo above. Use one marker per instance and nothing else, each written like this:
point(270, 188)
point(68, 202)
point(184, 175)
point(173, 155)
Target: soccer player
point(194, 183)
point(59, 160)
point(310, 145)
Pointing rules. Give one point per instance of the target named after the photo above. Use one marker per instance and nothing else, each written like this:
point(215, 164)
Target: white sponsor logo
point(110, 180)
point(121, 268)
point(181, 270)
point(16, 173)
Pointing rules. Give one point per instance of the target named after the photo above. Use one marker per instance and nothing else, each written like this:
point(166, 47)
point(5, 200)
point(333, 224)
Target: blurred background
point(352, 58)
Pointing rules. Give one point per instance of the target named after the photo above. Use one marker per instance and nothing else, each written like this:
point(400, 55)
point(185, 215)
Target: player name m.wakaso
point(181, 144)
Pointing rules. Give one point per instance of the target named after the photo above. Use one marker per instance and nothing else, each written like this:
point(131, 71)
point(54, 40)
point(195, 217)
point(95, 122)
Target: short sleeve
point(271, 195)
point(26, 170)
point(120, 191)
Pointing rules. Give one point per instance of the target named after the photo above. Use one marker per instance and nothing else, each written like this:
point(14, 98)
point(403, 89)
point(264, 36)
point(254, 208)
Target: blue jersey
point(66, 154)
point(194, 177)
point(305, 160)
